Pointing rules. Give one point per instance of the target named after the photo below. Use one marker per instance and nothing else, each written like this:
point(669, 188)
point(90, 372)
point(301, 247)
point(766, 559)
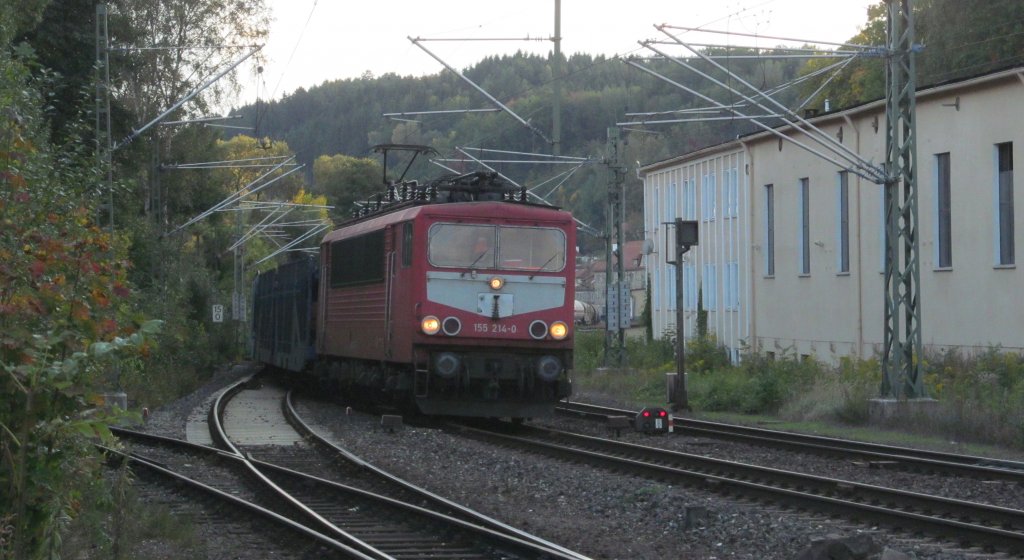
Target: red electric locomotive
point(456, 298)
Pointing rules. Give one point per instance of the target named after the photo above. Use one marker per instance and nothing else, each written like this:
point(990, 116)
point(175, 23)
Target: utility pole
point(104, 145)
point(901, 359)
point(686, 234)
point(616, 290)
point(237, 294)
point(556, 84)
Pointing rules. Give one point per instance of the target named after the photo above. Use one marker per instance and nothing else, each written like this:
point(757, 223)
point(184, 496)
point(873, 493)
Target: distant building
point(591, 280)
point(790, 257)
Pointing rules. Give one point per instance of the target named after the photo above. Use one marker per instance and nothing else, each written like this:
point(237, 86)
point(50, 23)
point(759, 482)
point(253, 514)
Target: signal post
point(686, 236)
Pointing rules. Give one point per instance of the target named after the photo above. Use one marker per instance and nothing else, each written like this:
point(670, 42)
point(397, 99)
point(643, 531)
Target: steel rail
point(300, 483)
point(252, 508)
point(832, 495)
point(221, 438)
point(967, 465)
point(376, 544)
point(455, 509)
point(312, 487)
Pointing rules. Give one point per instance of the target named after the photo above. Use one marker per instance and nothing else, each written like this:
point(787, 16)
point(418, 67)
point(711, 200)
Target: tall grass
point(979, 398)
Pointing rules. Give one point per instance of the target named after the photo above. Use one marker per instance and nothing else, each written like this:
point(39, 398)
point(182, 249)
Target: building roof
point(634, 253)
point(942, 88)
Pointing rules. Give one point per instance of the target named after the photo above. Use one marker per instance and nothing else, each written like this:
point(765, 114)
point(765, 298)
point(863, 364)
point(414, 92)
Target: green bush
point(656, 354)
point(588, 351)
point(759, 385)
point(705, 354)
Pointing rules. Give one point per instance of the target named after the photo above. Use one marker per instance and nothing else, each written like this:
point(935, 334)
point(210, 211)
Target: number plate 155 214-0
point(494, 328)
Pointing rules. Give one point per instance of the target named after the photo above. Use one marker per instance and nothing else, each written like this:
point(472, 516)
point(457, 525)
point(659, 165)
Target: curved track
point(355, 468)
point(382, 518)
point(224, 489)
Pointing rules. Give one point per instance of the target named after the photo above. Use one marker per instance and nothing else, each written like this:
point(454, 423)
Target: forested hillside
point(346, 117)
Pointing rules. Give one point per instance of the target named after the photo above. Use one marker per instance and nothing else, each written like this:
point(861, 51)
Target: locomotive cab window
point(490, 247)
point(535, 249)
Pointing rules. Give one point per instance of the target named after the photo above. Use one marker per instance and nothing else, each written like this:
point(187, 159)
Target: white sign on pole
point(218, 313)
point(625, 308)
point(611, 308)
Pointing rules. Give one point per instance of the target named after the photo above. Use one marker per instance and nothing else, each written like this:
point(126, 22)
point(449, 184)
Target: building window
point(655, 207)
point(943, 212)
point(670, 202)
point(732, 193)
point(732, 286)
point(769, 230)
point(689, 287)
point(707, 198)
point(805, 226)
point(709, 287)
point(843, 222)
point(1004, 202)
point(705, 212)
point(690, 198)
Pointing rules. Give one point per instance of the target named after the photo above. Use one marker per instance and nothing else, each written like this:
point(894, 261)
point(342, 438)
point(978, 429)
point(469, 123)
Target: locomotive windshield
point(496, 247)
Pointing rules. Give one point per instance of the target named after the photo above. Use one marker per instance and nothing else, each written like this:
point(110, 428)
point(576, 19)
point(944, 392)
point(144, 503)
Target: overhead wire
point(261, 115)
point(295, 48)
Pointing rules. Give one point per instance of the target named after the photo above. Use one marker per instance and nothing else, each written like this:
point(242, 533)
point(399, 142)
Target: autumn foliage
point(64, 322)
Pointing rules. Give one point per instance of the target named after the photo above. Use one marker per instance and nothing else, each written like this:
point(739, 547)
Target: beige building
point(790, 256)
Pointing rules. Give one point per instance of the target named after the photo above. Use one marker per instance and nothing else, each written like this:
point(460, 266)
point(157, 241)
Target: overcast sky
point(343, 39)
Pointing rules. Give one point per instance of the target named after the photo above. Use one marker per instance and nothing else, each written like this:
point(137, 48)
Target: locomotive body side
point(409, 294)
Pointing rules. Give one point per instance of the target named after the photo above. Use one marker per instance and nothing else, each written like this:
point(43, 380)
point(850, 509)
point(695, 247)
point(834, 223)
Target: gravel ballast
point(603, 514)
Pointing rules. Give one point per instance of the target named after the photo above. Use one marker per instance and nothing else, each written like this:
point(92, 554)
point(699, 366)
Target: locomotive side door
point(324, 281)
point(391, 241)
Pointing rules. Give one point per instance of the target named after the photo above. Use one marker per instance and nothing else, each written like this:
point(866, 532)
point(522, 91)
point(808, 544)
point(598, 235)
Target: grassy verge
point(872, 434)
point(119, 525)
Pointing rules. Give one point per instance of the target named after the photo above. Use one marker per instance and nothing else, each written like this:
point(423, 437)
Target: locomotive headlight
point(538, 329)
point(559, 330)
point(496, 283)
point(430, 324)
point(451, 326)
point(549, 368)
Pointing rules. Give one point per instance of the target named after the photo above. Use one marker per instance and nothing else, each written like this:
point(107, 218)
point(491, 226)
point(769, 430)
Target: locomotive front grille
point(467, 381)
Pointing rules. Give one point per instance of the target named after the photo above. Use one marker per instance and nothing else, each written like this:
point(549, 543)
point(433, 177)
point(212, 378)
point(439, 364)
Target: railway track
point(354, 468)
point(376, 516)
point(967, 523)
point(219, 492)
point(878, 454)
